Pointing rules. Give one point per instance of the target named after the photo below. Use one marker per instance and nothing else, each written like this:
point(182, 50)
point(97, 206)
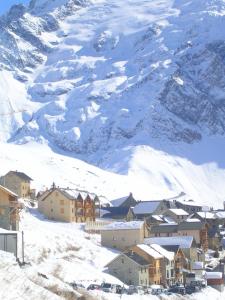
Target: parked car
point(156, 290)
point(132, 290)
point(108, 287)
point(94, 287)
point(190, 289)
point(178, 290)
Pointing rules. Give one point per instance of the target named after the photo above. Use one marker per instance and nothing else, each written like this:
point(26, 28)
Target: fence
point(95, 226)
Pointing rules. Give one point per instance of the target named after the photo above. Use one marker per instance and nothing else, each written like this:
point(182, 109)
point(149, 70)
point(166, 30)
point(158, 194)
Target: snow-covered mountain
point(136, 87)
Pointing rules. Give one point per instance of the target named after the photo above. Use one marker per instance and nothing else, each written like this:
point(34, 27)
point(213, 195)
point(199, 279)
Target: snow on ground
point(60, 253)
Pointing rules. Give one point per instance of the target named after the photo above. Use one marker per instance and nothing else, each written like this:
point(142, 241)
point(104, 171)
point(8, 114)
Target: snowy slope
point(133, 87)
point(61, 253)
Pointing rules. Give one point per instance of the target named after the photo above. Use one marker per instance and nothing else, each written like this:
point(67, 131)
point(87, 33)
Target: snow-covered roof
point(193, 220)
point(167, 254)
point(146, 207)
point(157, 218)
point(220, 214)
point(207, 215)
point(8, 191)
point(169, 220)
point(178, 211)
point(214, 275)
point(119, 201)
point(182, 241)
point(124, 225)
point(150, 251)
point(198, 265)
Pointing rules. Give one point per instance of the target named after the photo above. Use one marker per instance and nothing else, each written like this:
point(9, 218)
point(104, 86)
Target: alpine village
point(163, 246)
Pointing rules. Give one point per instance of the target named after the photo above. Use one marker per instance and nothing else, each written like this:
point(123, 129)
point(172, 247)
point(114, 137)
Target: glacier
point(133, 87)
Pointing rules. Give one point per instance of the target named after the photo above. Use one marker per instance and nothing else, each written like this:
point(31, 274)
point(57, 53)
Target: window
point(123, 239)
point(61, 202)
point(122, 261)
point(72, 210)
point(130, 270)
point(52, 210)
point(141, 281)
point(114, 239)
point(62, 210)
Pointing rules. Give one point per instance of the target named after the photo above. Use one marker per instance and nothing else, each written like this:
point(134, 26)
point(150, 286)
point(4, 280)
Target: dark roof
point(115, 212)
point(137, 258)
point(20, 175)
point(190, 226)
point(172, 248)
point(169, 228)
point(164, 228)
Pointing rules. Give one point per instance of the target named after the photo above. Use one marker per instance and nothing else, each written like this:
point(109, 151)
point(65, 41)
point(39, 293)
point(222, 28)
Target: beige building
point(131, 268)
point(9, 209)
point(18, 183)
point(67, 205)
point(122, 235)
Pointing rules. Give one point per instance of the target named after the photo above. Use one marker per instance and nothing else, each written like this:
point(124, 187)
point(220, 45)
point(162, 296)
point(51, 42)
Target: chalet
point(127, 201)
point(145, 209)
point(179, 261)
point(123, 235)
point(18, 183)
point(177, 214)
point(155, 260)
point(186, 243)
point(167, 265)
point(131, 268)
point(67, 205)
point(9, 209)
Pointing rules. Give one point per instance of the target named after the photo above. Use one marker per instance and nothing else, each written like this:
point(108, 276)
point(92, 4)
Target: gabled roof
point(4, 189)
point(133, 256)
point(21, 175)
point(206, 215)
point(220, 214)
point(137, 258)
point(68, 193)
point(124, 225)
point(119, 201)
point(114, 212)
point(146, 207)
point(183, 241)
point(150, 251)
point(162, 251)
point(178, 211)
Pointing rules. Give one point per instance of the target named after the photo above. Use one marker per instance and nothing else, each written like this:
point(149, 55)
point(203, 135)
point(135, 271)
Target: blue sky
point(6, 4)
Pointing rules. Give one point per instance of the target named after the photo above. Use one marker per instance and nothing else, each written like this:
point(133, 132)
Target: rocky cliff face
point(101, 75)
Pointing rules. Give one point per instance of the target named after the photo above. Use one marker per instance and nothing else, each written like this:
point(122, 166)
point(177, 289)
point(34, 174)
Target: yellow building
point(17, 182)
point(9, 209)
point(67, 205)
